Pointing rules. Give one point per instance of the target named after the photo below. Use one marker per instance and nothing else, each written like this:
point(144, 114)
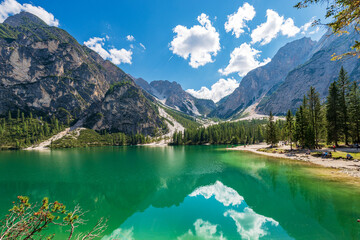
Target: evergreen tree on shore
point(300, 127)
point(333, 110)
point(271, 131)
point(315, 118)
point(354, 112)
point(343, 86)
point(289, 127)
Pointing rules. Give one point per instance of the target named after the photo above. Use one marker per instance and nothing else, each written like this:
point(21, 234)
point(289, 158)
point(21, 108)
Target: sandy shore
point(350, 167)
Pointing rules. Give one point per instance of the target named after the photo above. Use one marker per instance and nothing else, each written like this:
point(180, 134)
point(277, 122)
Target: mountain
point(261, 81)
point(172, 95)
point(318, 71)
point(44, 70)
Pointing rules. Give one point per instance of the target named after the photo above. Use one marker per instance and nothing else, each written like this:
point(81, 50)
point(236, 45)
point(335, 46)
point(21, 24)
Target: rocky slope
point(318, 71)
point(45, 70)
point(172, 95)
point(264, 80)
point(125, 109)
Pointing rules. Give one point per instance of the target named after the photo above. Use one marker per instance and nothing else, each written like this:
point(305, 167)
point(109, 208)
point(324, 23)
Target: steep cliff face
point(45, 70)
point(172, 94)
point(125, 109)
point(319, 71)
point(262, 81)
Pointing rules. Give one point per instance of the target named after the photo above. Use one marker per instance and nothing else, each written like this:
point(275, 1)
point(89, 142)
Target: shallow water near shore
point(192, 192)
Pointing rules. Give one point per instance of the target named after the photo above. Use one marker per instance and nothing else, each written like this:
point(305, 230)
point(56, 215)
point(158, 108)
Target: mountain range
point(172, 95)
point(44, 70)
point(281, 84)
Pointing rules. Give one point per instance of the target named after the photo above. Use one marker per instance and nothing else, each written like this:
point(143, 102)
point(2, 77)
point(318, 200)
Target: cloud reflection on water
point(203, 230)
point(222, 193)
point(221, 213)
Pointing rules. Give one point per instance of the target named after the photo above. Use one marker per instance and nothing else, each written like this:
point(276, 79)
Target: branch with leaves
point(28, 221)
point(344, 15)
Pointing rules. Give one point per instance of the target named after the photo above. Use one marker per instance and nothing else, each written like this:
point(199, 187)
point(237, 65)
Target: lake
point(191, 192)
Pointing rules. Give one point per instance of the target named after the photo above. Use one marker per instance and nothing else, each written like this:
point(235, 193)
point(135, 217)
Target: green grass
point(273, 150)
point(339, 154)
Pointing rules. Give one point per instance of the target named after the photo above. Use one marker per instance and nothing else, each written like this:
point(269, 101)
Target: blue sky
point(152, 24)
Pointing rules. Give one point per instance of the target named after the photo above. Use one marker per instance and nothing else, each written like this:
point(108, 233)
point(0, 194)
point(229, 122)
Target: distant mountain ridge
point(261, 81)
point(281, 84)
point(172, 95)
point(44, 70)
point(318, 71)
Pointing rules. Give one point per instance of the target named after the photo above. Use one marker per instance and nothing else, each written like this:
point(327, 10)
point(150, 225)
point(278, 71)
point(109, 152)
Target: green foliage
point(354, 112)
point(343, 84)
point(310, 122)
point(89, 138)
point(343, 15)
point(186, 121)
point(337, 120)
point(333, 110)
point(32, 221)
point(21, 132)
point(241, 132)
point(290, 127)
point(272, 136)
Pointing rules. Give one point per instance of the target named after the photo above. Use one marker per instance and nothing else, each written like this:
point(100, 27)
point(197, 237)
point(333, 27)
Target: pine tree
point(354, 112)
point(343, 86)
point(300, 126)
point(333, 111)
point(289, 127)
point(315, 118)
point(271, 131)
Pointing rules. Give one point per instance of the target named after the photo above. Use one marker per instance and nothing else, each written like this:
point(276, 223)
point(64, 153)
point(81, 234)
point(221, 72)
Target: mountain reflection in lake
point(211, 212)
point(192, 192)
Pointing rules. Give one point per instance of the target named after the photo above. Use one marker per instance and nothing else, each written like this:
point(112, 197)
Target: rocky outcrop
point(318, 71)
point(172, 95)
point(261, 82)
point(45, 70)
point(125, 109)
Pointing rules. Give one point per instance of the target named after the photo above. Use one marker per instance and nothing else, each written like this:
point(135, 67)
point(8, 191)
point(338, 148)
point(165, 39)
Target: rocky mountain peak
point(24, 19)
point(262, 81)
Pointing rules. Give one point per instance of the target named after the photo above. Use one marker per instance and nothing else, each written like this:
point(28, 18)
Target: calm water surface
point(197, 192)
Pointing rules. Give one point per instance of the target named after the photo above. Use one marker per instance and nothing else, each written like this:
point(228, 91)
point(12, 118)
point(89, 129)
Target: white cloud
point(242, 60)
point(203, 230)
point(142, 45)
point(120, 56)
point(116, 56)
point(305, 29)
point(97, 44)
point(236, 21)
point(200, 42)
point(11, 7)
point(274, 25)
point(222, 193)
point(219, 90)
point(130, 38)
point(250, 225)
point(289, 29)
